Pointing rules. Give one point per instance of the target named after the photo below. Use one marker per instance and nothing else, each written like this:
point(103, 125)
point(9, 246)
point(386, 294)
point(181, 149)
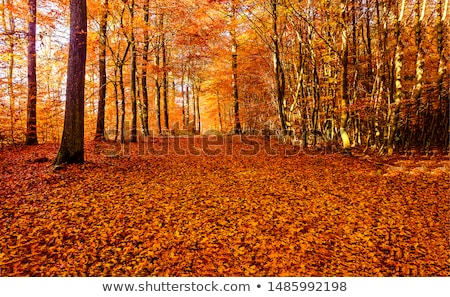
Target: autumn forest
point(224, 137)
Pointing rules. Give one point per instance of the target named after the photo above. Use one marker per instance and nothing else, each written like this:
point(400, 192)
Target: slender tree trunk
point(133, 137)
point(219, 113)
point(420, 61)
point(278, 70)
point(182, 100)
point(442, 69)
point(187, 107)
point(31, 136)
point(234, 68)
point(100, 131)
point(72, 144)
point(344, 79)
point(197, 98)
point(122, 104)
point(120, 65)
point(158, 94)
point(394, 109)
point(116, 97)
point(194, 110)
point(369, 43)
point(8, 22)
point(444, 108)
point(442, 13)
point(144, 70)
point(165, 82)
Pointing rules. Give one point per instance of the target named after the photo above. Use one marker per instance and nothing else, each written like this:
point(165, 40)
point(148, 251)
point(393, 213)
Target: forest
point(224, 138)
point(346, 73)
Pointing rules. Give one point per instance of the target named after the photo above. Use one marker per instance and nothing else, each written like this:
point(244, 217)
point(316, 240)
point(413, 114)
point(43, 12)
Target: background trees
point(359, 72)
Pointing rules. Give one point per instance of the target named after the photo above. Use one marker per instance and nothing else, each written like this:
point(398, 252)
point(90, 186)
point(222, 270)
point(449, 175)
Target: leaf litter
point(229, 213)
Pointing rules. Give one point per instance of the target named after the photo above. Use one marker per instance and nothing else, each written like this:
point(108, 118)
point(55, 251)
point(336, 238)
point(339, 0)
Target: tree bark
point(31, 135)
point(9, 25)
point(100, 131)
point(158, 94)
point(278, 70)
point(420, 61)
point(144, 70)
point(344, 79)
point(165, 82)
point(394, 109)
point(234, 69)
point(133, 137)
point(72, 144)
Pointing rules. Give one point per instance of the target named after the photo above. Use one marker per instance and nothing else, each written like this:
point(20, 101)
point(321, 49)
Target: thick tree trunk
point(72, 144)
point(31, 135)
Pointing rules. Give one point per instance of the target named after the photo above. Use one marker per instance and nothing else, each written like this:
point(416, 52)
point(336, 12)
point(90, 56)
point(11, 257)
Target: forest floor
point(223, 207)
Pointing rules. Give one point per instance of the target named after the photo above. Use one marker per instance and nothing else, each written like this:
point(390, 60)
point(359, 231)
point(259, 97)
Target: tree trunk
point(420, 61)
point(165, 82)
point(133, 137)
point(278, 70)
point(183, 107)
point(116, 97)
point(122, 105)
point(144, 70)
point(197, 98)
point(219, 113)
point(444, 110)
point(8, 23)
point(157, 94)
point(100, 131)
point(187, 106)
point(344, 79)
point(31, 136)
point(234, 67)
point(394, 109)
point(72, 144)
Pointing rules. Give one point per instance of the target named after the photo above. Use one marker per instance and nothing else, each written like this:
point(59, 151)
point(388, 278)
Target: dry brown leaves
point(231, 214)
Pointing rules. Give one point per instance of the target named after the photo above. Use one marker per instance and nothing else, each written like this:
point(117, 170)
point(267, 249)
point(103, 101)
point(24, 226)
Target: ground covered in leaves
point(230, 208)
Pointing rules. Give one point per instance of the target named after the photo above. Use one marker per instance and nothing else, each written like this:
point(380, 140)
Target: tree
point(9, 26)
point(144, 103)
point(100, 132)
point(394, 108)
point(278, 67)
point(234, 67)
point(132, 41)
point(72, 144)
point(344, 78)
point(31, 135)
